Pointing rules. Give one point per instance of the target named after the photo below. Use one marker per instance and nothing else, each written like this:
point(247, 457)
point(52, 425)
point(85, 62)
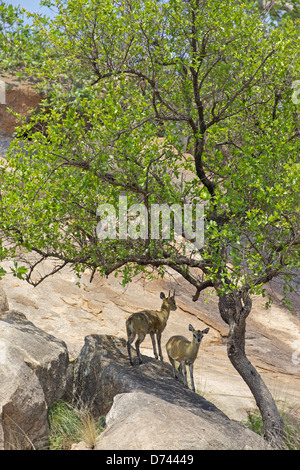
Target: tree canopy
point(138, 92)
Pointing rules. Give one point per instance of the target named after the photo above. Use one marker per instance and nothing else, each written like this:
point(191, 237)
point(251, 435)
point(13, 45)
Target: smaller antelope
point(184, 351)
point(152, 322)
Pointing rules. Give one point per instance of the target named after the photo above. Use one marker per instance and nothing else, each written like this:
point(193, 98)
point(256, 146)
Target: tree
point(140, 94)
point(21, 43)
point(278, 9)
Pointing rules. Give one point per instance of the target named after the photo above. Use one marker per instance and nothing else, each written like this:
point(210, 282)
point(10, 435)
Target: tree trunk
point(234, 312)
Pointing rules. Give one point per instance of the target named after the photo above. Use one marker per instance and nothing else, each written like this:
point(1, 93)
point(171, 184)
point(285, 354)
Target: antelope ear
point(205, 331)
point(191, 328)
point(162, 295)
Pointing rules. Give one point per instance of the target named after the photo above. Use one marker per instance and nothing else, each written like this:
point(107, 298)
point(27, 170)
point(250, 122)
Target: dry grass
point(291, 419)
point(69, 425)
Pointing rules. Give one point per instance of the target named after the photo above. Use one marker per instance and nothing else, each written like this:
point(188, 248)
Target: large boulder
point(102, 371)
point(146, 407)
point(139, 421)
point(33, 366)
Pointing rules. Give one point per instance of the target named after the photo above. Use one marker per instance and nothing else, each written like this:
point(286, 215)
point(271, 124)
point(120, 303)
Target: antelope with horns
point(152, 322)
point(184, 351)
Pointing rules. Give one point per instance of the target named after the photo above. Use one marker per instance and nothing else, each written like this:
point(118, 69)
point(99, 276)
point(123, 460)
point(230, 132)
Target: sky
point(31, 5)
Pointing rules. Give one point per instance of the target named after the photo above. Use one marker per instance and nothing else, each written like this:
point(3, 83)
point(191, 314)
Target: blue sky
point(31, 5)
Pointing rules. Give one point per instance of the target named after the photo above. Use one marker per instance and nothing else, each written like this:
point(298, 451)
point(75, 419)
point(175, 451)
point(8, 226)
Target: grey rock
point(33, 367)
point(142, 421)
point(4, 144)
point(145, 407)
point(3, 301)
point(102, 370)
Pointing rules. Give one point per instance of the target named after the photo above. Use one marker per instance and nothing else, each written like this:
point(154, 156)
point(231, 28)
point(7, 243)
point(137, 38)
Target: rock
point(81, 446)
point(272, 335)
point(102, 370)
point(21, 97)
point(4, 144)
point(3, 301)
point(143, 400)
point(33, 367)
point(142, 421)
